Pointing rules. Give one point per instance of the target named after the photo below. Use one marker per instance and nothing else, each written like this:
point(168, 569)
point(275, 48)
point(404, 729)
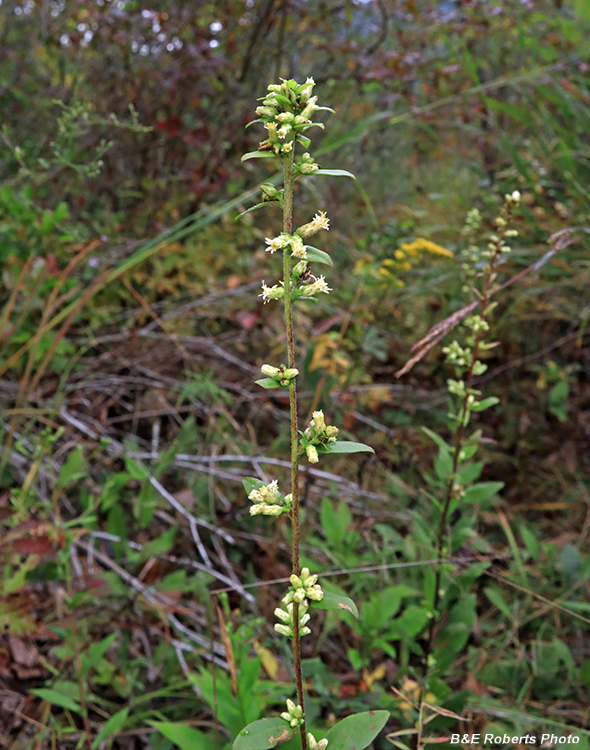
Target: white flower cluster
point(303, 587)
point(320, 221)
point(318, 433)
point(267, 500)
point(314, 744)
point(282, 375)
point(293, 714)
point(285, 627)
point(316, 287)
point(276, 291)
point(286, 112)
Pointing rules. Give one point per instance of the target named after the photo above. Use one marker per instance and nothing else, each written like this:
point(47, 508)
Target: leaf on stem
point(356, 732)
point(318, 256)
point(345, 446)
point(256, 207)
point(268, 383)
point(335, 601)
point(335, 173)
point(259, 155)
point(263, 734)
point(251, 483)
point(483, 491)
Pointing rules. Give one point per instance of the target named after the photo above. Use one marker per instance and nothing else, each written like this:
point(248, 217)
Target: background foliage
point(131, 334)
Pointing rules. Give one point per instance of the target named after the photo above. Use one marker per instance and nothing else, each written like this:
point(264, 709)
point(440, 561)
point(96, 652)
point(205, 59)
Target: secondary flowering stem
point(288, 228)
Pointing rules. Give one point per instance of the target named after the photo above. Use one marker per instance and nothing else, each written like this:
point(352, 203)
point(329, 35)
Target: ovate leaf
point(345, 446)
point(318, 256)
point(268, 383)
point(336, 601)
point(262, 735)
point(356, 732)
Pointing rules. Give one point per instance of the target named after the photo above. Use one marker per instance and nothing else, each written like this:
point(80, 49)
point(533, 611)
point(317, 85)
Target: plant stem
point(288, 227)
point(458, 444)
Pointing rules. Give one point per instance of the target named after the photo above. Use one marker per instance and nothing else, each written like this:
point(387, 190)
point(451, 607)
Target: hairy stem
point(288, 227)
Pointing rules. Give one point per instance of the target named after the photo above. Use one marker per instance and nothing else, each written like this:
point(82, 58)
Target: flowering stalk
point(286, 113)
point(479, 263)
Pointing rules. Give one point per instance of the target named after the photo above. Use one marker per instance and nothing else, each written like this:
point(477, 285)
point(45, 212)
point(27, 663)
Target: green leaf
point(483, 491)
point(485, 403)
point(57, 699)
point(259, 155)
point(357, 731)
point(262, 734)
point(304, 141)
point(96, 653)
point(183, 736)
point(113, 725)
point(443, 463)
point(318, 256)
point(256, 207)
point(335, 173)
point(570, 561)
point(335, 601)
point(251, 483)
point(345, 446)
point(496, 598)
point(437, 438)
point(268, 383)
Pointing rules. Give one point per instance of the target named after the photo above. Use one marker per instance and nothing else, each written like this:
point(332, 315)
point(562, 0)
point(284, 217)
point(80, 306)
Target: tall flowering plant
point(287, 112)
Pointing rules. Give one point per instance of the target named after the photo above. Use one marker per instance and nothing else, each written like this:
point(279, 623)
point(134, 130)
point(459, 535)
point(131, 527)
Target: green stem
point(288, 227)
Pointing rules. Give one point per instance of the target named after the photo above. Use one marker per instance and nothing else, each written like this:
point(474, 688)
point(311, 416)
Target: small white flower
point(277, 243)
point(266, 111)
point(312, 454)
point(284, 630)
point(271, 292)
point(319, 285)
point(318, 422)
point(284, 131)
point(270, 371)
point(282, 615)
point(287, 148)
point(320, 221)
point(298, 248)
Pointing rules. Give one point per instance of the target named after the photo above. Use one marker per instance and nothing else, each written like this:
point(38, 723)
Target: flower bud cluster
point(317, 433)
point(303, 587)
point(271, 193)
point(285, 627)
point(314, 744)
point(482, 259)
point(305, 164)
point(268, 501)
point(283, 375)
point(293, 714)
point(286, 112)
